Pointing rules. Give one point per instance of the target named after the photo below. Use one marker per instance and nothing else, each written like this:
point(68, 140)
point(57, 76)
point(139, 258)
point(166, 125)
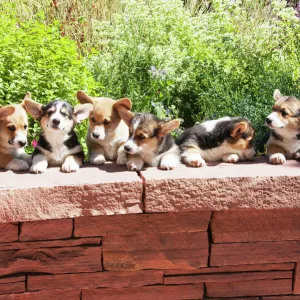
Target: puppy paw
point(98, 160)
point(70, 166)
point(135, 165)
point(194, 160)
point(122, 160)
point(169, 163)
point(17, 165)
point(230, 158)
point(277, 159)
point(38, 168)
point(296, 156)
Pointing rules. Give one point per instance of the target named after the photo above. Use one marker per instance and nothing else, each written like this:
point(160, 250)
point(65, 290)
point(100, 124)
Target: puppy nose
point(95, 135)
point(268, 121)
point(56, 121)
point(127, 148)
point(22, 144)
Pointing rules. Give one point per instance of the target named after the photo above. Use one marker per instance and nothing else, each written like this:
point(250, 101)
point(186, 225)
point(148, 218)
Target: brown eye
point(93, 120)
point(141, 137)
point(12, 128)
point(284, 113)
point(105, 122)
point(25, 127)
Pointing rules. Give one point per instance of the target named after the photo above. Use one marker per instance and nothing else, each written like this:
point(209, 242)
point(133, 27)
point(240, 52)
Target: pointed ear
point(83, 97)
point(277, 95)
point(82, 111)
point(125, 114)
point(239, 129)
point(123, 102)
point(27, 96)
point(33, 108)
point(6, 111)
point(167, 127)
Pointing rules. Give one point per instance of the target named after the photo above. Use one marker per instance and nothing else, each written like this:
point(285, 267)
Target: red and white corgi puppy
point(58, 144)
point(284, 141)
point(13, 137)
point(228, 139)
point(150, 141)
point(107, 132)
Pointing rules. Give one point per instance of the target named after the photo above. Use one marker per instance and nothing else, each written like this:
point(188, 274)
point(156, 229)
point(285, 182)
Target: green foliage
point(34, 57)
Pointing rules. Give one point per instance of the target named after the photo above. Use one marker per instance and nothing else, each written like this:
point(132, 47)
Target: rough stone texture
point(297, 279)
point(156, 251)
point(12, 288)
point(146, 293)
point(95, 280)
point(141, 224)
point(255, 225)
point(46, 230)
point(9, 232)
point(223, 186)
point(281, 298)
point(249, 288)
point(254, 253)
point(107, 190)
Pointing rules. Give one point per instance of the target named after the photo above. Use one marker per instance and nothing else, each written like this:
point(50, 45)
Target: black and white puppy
point(228, 139)
point(58, 144)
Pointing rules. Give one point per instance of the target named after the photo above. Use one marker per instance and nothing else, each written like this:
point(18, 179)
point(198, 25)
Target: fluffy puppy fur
point(107, 132)
point(13, 137)
point(284, 141)
point(228, 139)
point(150, 141)
point(58, 144)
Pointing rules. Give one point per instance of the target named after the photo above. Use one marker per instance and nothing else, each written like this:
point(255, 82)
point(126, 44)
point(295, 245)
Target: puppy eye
point(49, 113)
point(12, 128)
point(25, 126)
point(106, 122)
point(141, 137)
point(93, 120)
point(63, 114)
point(284, 113)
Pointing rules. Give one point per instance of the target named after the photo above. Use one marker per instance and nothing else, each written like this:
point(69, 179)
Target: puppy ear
point(82, 111)
point(33, 108)
point(27, 96)
point(6, 111)
point(123, 102)
point(167, 127)
point(125, 114)
point(277, 95)
point(83, 97)
point(239, 129)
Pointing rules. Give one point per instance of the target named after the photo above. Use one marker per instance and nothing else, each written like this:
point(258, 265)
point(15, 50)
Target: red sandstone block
point(296, 288)
point(233, 277)
point(94, 280)
point(249, 288)
point(9, 232)
point(14, 278)
point(228, 269)
point(146, 293)
point(254, 253)
point(12, 288)
point(281, 298)
point(45, 295)
point(155, 251)
point(141, 224)
point(255, 225)
point(46, 230)
point(51, 260)
point(240, 298)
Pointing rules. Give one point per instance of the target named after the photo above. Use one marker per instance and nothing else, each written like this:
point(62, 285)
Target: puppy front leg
point(122, 156)
point(72, 163)
point(230, 158)
point(17, 165)
point(135, 163)
point(170, 160)
point(276, 155)
point(97, 156)
point(39, 164)
point(192, 157)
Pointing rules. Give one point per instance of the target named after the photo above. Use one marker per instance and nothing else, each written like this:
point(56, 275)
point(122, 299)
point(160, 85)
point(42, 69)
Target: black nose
point(127, 148)
point(95, 135)
point(22, 144)
point(268, 121)
point(56, 121)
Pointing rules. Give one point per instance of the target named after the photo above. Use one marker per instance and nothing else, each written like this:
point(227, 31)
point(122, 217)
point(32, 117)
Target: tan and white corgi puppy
point(284, 141)
point(107, 132)
point(13, 137)
point(58, 144)
point(228, 139)
point(150, 141)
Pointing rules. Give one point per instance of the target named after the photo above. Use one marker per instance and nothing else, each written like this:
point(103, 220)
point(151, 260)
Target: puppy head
point(13, 126)
point(146, 131)
point(104, 117)
point(58, 115)
point(286, 112)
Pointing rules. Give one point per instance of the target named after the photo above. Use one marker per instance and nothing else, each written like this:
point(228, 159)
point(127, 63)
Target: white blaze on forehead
point(210, 125)
point(276, 121)
point(57, 114)
point(135, 125)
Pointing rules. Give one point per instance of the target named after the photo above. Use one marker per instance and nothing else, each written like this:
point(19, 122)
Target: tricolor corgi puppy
point(13, 137)
point(107, 132)
point(228, 139)
point(58, 144)
point(150, 141)
point(284, 141)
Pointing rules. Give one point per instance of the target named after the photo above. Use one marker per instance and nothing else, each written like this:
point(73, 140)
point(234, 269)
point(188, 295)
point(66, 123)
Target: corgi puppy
point(58, 144)
point(107, 132)
point(228, 139)
point(13, 137)
point(284, 141)
point(150, 141)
